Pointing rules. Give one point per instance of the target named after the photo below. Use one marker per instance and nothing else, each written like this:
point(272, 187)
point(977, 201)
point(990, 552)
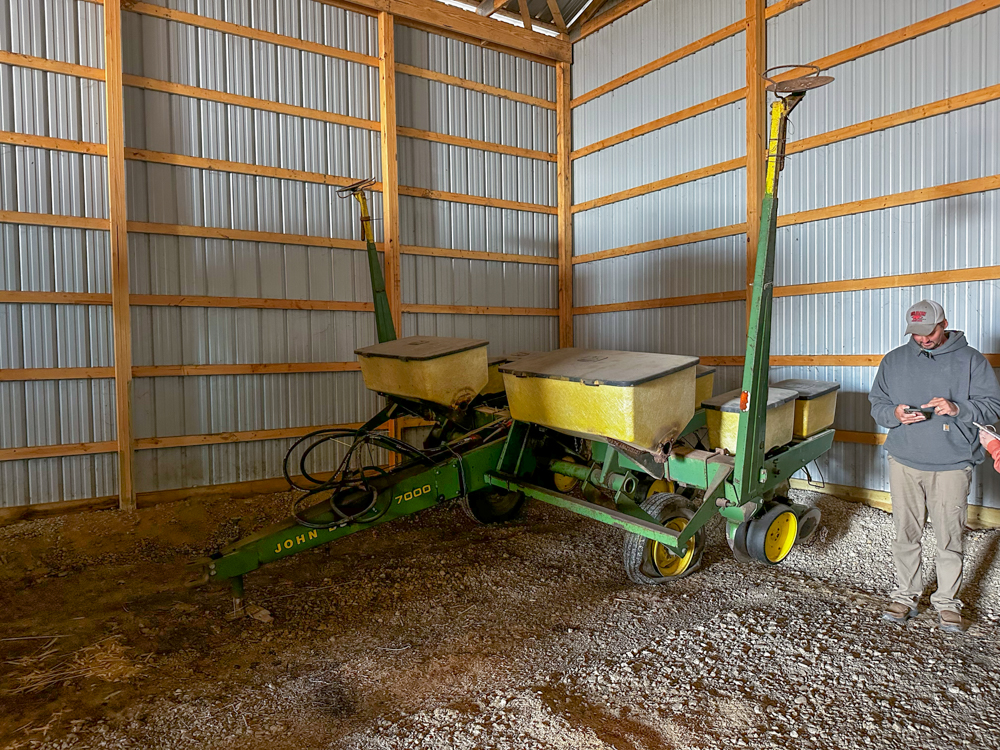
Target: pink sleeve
point(994, 450)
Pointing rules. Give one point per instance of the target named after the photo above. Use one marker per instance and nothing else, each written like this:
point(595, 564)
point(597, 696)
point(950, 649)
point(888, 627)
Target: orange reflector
point(744, 400)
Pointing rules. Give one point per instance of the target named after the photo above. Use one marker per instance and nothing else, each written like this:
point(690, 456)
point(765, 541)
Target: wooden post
point(756, 125)
point(118, 226)
point(390, 167)
point(390, 176)
point(564, 183)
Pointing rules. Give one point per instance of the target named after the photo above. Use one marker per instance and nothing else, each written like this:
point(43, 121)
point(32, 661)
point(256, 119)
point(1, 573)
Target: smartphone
point(914, 410)
point(988, 427)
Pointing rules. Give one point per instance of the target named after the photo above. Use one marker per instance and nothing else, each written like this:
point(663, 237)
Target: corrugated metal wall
point(441, 108)
point(194, 405)
point(42, 259)
point(947, 234)
point(648, 33)
point(38, 258)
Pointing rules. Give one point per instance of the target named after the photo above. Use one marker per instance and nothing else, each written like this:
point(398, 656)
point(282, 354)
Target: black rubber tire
point(637, 550)
point(492, 506)
point(758, 529)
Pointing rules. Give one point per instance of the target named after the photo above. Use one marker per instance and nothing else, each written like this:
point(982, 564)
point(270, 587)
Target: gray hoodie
point(913, 376)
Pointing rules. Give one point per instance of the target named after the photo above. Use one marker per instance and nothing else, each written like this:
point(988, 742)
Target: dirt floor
point(434, 632)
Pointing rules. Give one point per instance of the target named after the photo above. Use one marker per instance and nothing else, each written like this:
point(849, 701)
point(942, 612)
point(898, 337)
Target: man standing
point(928, 393)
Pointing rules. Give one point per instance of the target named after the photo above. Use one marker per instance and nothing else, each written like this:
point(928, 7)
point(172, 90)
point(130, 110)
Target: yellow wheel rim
point(660, 485)
point(564, 483)
point(667, 563)
point(781, 536)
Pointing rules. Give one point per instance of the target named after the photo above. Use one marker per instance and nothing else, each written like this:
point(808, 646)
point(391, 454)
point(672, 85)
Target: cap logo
point(917, 316)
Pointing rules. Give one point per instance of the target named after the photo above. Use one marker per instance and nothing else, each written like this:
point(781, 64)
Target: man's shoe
point(899, 613)
point(951, 621)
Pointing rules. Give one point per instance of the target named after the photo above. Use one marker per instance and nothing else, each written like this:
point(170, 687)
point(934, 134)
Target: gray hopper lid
point(420, 348)
point(599, 366)
point(809, 389)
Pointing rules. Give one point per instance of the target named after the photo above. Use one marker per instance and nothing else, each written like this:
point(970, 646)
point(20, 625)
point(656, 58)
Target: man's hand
point(942, 406)
point(905, 418)
point(986, 438)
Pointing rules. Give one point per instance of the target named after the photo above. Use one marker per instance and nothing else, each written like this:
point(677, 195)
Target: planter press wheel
point(771, 536)
point(650, 563)
point(492, 506)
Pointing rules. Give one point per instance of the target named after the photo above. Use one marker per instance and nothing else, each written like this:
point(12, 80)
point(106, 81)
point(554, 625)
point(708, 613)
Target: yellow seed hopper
point(639, 398)
point(446, 371)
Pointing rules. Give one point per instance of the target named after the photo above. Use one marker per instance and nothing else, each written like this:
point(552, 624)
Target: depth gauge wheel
point(492, 506)
point(650, 563)
point(771, 536)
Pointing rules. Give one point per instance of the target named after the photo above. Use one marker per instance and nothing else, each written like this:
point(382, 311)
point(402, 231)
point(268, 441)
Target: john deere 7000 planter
point(616, 436)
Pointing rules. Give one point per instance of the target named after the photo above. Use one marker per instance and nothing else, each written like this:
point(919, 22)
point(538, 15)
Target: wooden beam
point(928, 25)
point(454, 140)
point(943, 106)
point(221, 438)
point(685, 114)
point(57, 221)
point(478, 310)
point(522, 6)
point(433, 75)
point(248, 303)
point(557, 16)
point(756, 133)
point(390, 166)
point(118, 224)
point(53, 144)
point(172, 371)
point(940, 107)
point(679, 54)
point(488, 7)
point(947, 276)
point(476, 200)
point(951, 276)
point(939, 192)
point(681, 239)
point(650, 304)
point(564, 189)
point(246, 32)
point(266, 368)
point(58, 451)
point(596, 24)
point(445, 19)
point(479, 255)
point(51, 66)
point(243, 235)
point(265, 105)
point(589, 12)
point(14, 375)
point(54, 298)
point(235, 167)
point(668, 182)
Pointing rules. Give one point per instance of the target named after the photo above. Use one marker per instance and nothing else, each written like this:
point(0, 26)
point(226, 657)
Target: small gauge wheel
point(650, 563)
point(492, 506)
point(771, 536)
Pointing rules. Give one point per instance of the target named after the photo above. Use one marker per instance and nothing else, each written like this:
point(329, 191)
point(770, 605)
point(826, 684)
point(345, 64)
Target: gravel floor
point(436, 633)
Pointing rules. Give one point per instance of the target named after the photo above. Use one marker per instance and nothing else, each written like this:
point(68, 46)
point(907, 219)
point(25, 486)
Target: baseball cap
point(922, 317)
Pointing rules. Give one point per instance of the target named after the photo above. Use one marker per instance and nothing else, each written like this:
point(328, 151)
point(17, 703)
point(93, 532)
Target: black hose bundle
point(349, 482)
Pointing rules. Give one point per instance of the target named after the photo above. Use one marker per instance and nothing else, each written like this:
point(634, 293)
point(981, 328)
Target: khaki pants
point(942, 495)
